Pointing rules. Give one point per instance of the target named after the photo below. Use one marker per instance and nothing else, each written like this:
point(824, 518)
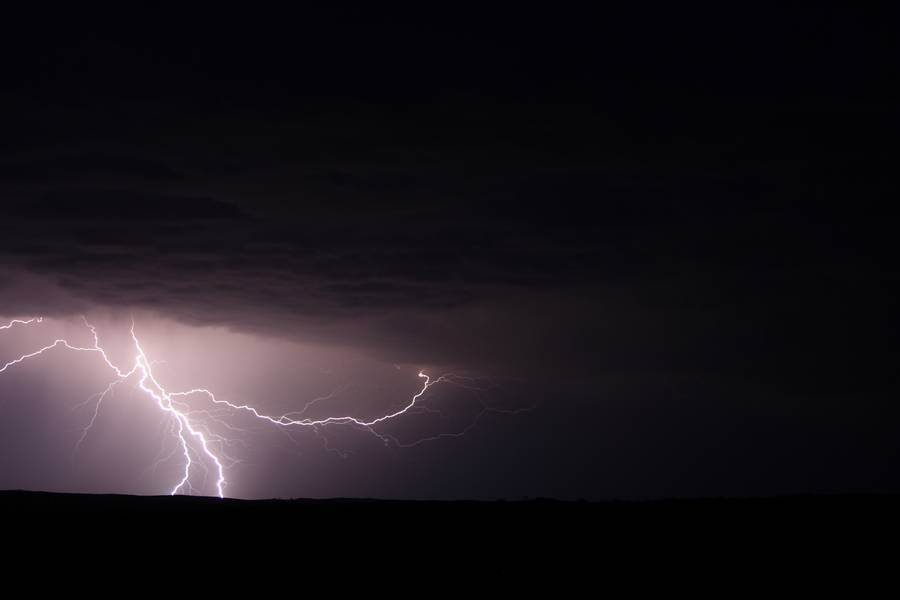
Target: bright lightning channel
point(190, 437)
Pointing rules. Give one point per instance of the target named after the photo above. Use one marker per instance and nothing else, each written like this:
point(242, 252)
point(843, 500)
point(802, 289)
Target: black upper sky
point(672, 221)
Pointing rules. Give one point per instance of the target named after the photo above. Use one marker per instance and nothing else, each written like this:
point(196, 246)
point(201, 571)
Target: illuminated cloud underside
point(199, 447)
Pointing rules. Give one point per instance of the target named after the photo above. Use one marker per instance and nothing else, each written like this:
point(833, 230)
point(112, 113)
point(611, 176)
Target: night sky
point(658, 238)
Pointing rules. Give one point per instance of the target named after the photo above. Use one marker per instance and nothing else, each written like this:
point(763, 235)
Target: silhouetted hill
point(794, 536)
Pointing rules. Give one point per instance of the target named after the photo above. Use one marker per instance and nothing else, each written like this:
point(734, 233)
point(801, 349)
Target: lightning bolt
point(194, 440)
point(14, 322)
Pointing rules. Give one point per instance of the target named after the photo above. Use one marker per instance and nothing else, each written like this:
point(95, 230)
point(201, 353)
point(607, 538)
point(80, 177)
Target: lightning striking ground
point(194, 441)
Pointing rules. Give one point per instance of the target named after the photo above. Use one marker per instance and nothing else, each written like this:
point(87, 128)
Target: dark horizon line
point(7, 494)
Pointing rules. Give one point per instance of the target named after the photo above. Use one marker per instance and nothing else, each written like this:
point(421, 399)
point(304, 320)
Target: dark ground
point(810, 539)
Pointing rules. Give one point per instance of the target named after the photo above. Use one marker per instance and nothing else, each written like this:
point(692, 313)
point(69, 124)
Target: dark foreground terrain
point(813, 538)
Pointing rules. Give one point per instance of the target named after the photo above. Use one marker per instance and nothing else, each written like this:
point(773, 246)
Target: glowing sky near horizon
point(272, 398)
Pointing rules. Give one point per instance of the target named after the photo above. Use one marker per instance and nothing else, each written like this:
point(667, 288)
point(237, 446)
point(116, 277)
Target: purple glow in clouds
point(202, 449)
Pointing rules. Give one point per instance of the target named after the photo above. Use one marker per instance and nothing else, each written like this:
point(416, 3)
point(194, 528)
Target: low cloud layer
point(488, 254)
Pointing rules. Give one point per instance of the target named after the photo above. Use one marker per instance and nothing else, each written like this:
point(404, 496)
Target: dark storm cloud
point(657, 271)
point(590, 195)
point(84, 166)
point(116, 206)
